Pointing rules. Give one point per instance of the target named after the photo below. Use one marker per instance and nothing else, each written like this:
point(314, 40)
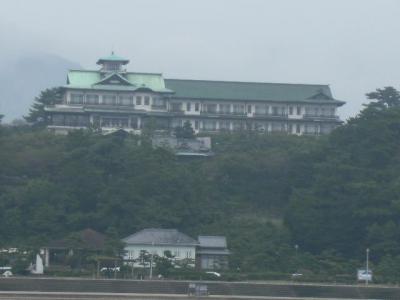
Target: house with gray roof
point(58, 251)
point(113, 98)
point(157, 241)
point(212, 253)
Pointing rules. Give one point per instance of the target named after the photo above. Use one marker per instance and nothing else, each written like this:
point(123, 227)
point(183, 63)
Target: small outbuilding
point(58, 251)
point(212, 253)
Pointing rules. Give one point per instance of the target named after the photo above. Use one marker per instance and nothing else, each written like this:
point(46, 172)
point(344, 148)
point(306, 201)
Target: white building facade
point(112, 98)
point(156, 242)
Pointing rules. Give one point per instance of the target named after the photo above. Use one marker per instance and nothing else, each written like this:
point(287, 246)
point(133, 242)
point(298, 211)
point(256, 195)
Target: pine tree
point(37, 114)
point(185, 132)
point(385, 98)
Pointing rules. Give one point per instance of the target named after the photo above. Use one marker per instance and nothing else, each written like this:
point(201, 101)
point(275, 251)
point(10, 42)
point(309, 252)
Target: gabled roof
point(114, 76)
point(321, 96)
point(212, 245)
point(212, 241)
point(157, 236)
point(256, 91)
point(88, 79)
point(85, 239)
point(205, 89)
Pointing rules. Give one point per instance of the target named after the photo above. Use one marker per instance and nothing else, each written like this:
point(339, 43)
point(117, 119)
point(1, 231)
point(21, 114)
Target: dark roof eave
point(97, 71)
point(71, 247)
point(98, 88)
point(162, 244)
point(334, 101)
point(103, 60)
point(249, 82)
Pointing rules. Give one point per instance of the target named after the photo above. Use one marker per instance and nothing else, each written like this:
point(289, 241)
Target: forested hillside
point(331, 196)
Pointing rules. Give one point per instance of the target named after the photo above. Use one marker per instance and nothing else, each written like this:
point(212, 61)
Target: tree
point(355, 180)
point(113, 244)
point(20, 266)
point(144, 258)
point(37, 114)
point(385, 98)
point(148, 130)
point(164, 263)
point(1, 118)
point(184, 132)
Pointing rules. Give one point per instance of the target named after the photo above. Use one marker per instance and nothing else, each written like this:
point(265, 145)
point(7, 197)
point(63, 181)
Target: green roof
point(204, 89)
point(113, 58)
point(232, 90)
point(80, 79)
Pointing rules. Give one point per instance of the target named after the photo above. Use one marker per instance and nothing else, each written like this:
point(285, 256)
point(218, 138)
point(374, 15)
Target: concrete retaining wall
point(215, 288)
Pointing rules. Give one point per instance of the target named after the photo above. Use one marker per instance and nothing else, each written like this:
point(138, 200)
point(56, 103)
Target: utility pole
point(367, 266)
point(296, 247)
point(151, 261)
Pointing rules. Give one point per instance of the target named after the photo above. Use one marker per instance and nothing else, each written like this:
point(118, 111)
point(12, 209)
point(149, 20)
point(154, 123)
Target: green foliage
point(333, 196)
point(54, 185)
point(163, 265)
point(352, 202)
point(385, 98)
point(113, 244)
point(37, 114)
point(20, 266)
point(184, 132)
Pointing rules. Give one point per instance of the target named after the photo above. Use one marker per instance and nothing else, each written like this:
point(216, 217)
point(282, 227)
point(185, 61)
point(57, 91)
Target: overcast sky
point(353, 45)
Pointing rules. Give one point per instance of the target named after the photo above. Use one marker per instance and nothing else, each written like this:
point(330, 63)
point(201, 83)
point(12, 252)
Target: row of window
point(131, 254)
point(258, 109)
point(70, 120)
point(319, 111)
point(214, 125)
point(214, 262)
point(200, 125)
point(124, 100)
point(210, 108)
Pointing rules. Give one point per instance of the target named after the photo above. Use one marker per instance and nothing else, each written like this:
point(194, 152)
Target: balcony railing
point(108, 105)
point(71, 124)
point(176, 110)
point(160, 107)
point(319, 116)
point(231, 113)
point(209, 112)
point(280, 115)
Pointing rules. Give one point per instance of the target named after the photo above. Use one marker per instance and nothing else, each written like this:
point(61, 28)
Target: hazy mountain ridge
point(22, 79)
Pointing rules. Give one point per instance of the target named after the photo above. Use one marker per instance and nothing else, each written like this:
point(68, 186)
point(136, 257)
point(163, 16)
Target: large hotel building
point(112, 98)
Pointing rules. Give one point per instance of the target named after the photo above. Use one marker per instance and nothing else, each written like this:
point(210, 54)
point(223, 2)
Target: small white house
point(155, 241)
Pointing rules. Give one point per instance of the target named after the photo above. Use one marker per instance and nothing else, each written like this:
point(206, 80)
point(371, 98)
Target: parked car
point(216, 274)
point(7, 274)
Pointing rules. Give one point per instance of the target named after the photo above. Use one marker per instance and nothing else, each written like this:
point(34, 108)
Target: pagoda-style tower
point(112, 63)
